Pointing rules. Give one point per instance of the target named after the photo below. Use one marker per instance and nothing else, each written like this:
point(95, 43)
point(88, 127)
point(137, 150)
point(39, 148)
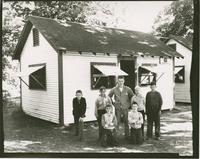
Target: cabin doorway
point(128, 66)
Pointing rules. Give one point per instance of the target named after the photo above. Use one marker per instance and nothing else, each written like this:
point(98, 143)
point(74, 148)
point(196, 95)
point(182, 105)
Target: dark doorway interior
point(128, 66)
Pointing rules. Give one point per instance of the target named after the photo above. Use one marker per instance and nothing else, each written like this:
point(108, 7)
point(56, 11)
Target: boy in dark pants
point(135, 121)
point(153, 111)
point(79, 109)
point(100, 105)
point(109, 123)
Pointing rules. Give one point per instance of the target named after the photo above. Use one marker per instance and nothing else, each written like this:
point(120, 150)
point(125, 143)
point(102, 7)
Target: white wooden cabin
point(57, 59)
point(182, 67)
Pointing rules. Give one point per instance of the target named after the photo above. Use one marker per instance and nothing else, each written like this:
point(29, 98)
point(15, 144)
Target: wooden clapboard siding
point(165, 84)
point(42, 104)
point(182, 90)
point(77, 75)
point(47, 113)
point(42, 116)
point(182, 94)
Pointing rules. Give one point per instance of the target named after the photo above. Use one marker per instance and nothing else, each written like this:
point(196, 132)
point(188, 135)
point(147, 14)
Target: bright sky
point(137, 15)
point(140, 15)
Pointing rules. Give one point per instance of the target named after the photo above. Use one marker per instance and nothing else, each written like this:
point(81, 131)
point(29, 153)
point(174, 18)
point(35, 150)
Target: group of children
point(107, 120)
point(109, 124)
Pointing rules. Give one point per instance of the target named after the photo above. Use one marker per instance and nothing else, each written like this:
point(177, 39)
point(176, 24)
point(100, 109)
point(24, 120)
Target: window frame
point(41, 89)
point(100, 63)
point(140, 75)
point(183, 81)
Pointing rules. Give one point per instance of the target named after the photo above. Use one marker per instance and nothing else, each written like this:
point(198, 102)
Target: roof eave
point(22, 40)
point(183, 44)
point(174, 38)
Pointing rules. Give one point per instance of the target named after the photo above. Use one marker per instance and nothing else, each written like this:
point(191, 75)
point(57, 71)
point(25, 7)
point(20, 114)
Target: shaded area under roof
point(85, 38)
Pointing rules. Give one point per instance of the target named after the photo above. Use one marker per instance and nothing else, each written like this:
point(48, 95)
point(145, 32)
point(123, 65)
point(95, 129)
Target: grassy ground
point(27, 134)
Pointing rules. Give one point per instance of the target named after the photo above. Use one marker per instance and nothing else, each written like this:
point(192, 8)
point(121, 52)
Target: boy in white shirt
point(100, 105)
point(139, 99)
point(135, 121)
point(109, 123)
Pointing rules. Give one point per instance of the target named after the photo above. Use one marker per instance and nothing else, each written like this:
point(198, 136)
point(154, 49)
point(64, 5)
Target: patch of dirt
point(27, 134)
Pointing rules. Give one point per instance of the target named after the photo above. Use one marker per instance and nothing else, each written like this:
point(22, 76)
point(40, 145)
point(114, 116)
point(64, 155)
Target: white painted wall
point(77, 75)
point(182, 90)
point(165, 84)
point(42, 104)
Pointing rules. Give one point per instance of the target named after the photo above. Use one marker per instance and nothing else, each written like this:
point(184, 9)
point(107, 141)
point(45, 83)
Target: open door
point(128, 66)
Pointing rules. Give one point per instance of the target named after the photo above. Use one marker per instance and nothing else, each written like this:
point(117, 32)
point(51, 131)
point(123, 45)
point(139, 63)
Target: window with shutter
point(146, 77)
point(179, 74)
point(98, 79)
point(37, 79)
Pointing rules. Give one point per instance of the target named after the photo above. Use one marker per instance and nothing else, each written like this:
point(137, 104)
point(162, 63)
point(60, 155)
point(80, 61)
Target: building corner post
point(60, 87)
point(173, 76)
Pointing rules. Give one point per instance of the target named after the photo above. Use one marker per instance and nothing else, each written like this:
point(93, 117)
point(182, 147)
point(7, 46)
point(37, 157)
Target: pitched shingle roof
point(85, 38)
point(187, 42)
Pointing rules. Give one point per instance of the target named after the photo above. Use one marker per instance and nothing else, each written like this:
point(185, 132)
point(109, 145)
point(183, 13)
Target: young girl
point(109, 123)
point(135, 121)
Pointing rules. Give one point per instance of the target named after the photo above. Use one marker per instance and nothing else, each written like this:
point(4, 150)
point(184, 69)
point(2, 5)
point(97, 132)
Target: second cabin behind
point(182, 67)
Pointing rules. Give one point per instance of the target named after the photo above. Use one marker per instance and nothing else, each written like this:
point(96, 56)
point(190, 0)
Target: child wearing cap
point(153, 111)
point(135, 121)
point(109, 123)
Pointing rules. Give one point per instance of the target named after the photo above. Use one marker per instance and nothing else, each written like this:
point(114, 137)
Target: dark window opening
point(98, 79)
point(35, 37)
point(146, 77)
point(173, 46)
point(179, 74)
point(37, 79)
point(128, 66)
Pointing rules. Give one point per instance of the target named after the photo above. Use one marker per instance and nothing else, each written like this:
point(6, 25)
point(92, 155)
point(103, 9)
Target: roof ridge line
point(105, 27)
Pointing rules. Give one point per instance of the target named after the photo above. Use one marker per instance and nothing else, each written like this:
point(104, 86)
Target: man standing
point(122, 101)
point(153, 111)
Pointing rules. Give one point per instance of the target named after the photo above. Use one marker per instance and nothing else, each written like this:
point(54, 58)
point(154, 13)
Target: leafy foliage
point(177, 19)
point(70, 10)
point(14, 12)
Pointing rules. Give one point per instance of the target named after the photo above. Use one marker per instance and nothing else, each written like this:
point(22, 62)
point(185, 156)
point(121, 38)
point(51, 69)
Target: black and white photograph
point(99, 77)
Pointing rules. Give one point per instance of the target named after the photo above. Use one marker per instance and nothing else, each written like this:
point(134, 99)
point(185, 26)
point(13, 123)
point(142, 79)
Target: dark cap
point(108, 106)
point(153, 83)
point(120, 77)
point(135, 103)
point(79, 91)
point(102, 88)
